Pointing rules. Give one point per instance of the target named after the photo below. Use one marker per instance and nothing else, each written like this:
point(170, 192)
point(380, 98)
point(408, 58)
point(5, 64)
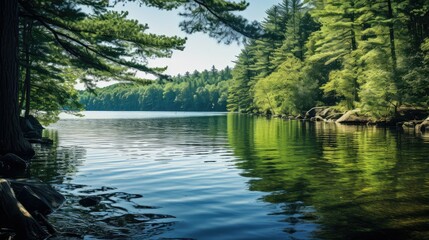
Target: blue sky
point(201, 52)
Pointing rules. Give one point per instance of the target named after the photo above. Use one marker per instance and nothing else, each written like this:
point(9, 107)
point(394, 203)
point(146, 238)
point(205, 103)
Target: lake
point(168, 175)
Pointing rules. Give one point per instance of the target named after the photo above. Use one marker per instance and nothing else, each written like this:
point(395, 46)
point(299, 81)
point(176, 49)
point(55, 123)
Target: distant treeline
point(197, 91)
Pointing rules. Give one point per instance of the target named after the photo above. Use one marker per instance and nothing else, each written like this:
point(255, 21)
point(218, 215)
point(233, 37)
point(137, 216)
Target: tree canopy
point(349, 54)
point(65, 41)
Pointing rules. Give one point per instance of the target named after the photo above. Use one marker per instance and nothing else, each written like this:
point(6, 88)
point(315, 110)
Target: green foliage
point(64, 42)
point(199, 91)
point(283, 91)
point(352, 54)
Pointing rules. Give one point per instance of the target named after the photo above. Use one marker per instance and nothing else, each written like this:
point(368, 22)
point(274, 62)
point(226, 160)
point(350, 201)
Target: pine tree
point(241, 98)
point(102, 41)
point(336, 42)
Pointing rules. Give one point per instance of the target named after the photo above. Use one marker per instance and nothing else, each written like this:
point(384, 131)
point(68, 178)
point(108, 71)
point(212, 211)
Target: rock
point(424, 126)
point(313, 112)
point(11, 164)
point(32, 135)
point(411, 124)
point(334, 116)
point(25, 125)
point(37, 196)
point(15, 216)
point(31, 127)
point(317, 119)
point(35, 123)
point(33, 202)
point(330, 111)
point(90, 201)
point(353, 117)
point(411, 113)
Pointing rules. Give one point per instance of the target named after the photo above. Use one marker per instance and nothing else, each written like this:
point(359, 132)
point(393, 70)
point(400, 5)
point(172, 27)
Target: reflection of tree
point(54, 163)
point(363, 182)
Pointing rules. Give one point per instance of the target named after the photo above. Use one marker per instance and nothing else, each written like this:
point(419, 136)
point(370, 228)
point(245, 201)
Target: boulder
point(14, 216)
point(334, 116)
point(313, 112)
point(11, 164)
point(25, 125)
point(411, 124)
point(330, 111)
point(35, 123)
point(424, 126)
point(31, 127)
point(317, 119)
point(353, 117)
point(37, 196)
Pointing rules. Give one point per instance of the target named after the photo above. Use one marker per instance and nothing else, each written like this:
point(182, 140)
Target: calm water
point(218, 176)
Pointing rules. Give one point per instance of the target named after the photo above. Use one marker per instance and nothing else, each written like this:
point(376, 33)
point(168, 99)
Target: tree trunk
point(11, 137)
point(391, 35)
point(396, 78)
point(27, 84)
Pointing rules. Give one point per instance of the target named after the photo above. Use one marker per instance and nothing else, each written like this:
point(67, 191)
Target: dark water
point(217, 176)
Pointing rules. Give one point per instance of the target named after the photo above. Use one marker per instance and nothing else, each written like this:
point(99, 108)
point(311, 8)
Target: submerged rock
point(90, 201)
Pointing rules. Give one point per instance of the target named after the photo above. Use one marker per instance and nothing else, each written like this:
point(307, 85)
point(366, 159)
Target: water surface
point(167, 175)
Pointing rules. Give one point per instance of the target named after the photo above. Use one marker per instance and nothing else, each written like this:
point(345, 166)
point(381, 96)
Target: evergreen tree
point(104, 42)
point(240, 98)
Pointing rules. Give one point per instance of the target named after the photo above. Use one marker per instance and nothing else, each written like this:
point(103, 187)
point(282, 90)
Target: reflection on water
point(355, 182)
point(236, 177)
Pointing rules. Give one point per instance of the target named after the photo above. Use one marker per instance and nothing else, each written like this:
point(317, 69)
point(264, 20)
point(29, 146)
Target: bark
point(396, 78)
point(27, 84)
point(11, 137)
point(391, 35)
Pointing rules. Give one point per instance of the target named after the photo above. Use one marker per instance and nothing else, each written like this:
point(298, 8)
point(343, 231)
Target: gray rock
point(424, 126)
point(313, 112)
point(353, 117)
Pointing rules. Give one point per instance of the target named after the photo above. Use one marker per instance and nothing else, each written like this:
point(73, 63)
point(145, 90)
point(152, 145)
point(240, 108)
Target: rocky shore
point(24, 202)
point(408, 118)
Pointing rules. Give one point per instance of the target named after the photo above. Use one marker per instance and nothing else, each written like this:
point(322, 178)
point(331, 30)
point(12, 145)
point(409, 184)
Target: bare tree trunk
point(11, 137)
point(396, 78)
point(27, 84)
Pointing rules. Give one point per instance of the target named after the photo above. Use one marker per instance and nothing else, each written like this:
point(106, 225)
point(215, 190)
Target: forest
point(367, 55)
point(370, 55)
point(199, 91)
